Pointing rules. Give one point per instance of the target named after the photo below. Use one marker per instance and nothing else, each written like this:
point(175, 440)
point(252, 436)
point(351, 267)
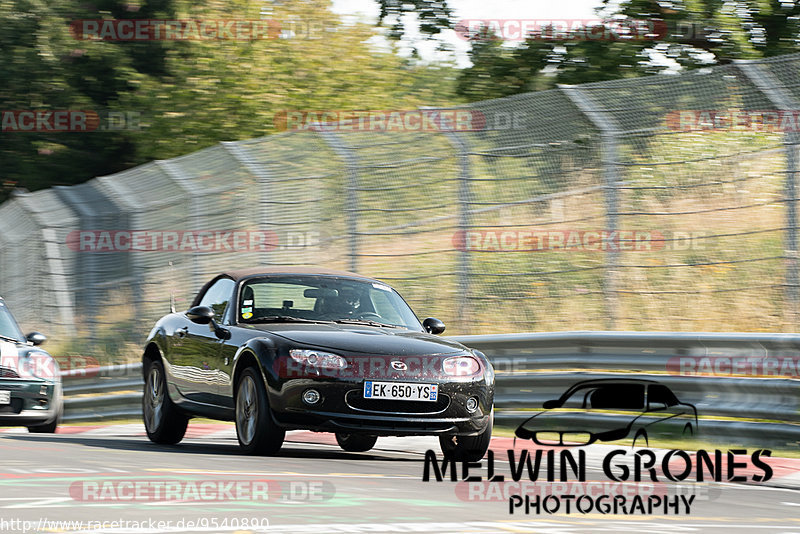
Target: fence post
point(351, 207)
point(59, 281)
point(776, 93)
point(609, 133)
point(177, 175)
point(464, 225)
point(240, 154)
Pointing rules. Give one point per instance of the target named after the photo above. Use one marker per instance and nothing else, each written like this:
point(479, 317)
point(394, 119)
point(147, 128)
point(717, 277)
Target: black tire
point(256, 431)
point(163, 421)
point(468, 448)
point(47, 428)
point(356, 442)
point(643, 435)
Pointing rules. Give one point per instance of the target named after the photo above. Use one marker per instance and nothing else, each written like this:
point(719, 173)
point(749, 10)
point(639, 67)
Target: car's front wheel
point(255, 429)
point(468, 448)
point(355, 442)
point(47, 428)
point(163, 421)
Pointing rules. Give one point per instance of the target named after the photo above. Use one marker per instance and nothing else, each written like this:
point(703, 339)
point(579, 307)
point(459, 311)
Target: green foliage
point(690, 34)
point(188, 94)
point(433, 16)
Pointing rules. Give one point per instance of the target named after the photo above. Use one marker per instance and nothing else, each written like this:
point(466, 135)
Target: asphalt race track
point(84, 480)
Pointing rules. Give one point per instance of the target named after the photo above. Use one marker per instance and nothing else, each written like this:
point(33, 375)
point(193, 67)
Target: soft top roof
point(239, 274)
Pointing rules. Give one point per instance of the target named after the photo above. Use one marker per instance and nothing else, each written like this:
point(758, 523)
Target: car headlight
point(318, 359)
point(38, 364)
point(461, 366)
point(489, 367)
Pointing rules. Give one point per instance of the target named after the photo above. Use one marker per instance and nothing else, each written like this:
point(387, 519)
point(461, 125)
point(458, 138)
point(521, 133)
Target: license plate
point(5, 397)
point(401, 391)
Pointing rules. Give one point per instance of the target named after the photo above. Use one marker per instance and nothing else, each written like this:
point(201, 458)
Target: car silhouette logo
point(398, 365)
point(609, 410)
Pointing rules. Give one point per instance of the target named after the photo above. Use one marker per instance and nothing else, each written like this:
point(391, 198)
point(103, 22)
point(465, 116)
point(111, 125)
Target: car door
point(669, 417)
point(615, 406)
point(196, 350)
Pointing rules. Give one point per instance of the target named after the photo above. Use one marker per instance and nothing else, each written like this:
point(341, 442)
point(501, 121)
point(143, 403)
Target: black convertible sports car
point(30, 379)
point(329, 351)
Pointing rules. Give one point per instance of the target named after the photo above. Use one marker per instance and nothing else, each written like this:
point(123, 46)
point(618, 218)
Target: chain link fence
point(660, 203)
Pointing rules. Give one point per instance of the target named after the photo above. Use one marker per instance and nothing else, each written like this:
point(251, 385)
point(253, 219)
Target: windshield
point(8, 326)
point(323, 299)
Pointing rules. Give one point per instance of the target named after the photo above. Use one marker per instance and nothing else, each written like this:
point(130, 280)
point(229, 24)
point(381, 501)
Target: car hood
point(578, 421)
point(364, 340)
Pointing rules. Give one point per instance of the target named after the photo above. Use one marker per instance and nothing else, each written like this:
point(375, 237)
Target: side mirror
point(36, 338)
point(205, 315)
point(433, 325)
point(549, 405)
point(200, 314)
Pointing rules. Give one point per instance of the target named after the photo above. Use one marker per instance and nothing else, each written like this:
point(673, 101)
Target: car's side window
point(658, 394)
point(578, 400)
point(618, 397)
point(217, 296)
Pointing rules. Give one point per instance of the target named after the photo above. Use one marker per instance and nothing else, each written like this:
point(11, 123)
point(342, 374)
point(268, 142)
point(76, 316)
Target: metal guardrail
point(103, 393)
point(532, 368)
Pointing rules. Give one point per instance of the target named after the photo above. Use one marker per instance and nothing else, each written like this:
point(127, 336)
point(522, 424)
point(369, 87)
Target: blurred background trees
point(187, 95)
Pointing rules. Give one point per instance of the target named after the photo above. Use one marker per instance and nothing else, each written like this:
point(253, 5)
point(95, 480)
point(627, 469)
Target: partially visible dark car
point(316, 349)
point(30, 379)
point(609, 410)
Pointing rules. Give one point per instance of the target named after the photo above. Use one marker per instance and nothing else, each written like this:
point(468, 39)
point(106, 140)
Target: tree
point(188, 94)
point(46, 68)
point(433, 16)
point(689, 34)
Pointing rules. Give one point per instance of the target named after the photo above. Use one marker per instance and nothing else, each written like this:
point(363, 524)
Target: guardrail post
point(609, 132)
point(351, 208)
point(777, 94)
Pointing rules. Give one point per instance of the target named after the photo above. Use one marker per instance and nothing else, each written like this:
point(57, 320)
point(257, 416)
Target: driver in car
point(349, 302)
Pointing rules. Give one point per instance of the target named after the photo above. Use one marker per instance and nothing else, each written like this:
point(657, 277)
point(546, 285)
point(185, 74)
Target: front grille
point(14, 407)
point(7, 372)
point(355, 399)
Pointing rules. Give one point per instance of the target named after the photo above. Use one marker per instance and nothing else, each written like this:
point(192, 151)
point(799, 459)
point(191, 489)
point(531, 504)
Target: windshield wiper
point(8, 338)
point(366, 322)
point(285, 319)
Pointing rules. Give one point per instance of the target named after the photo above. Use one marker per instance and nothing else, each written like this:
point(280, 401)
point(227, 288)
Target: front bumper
point(33, 402)
point(342, 408)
